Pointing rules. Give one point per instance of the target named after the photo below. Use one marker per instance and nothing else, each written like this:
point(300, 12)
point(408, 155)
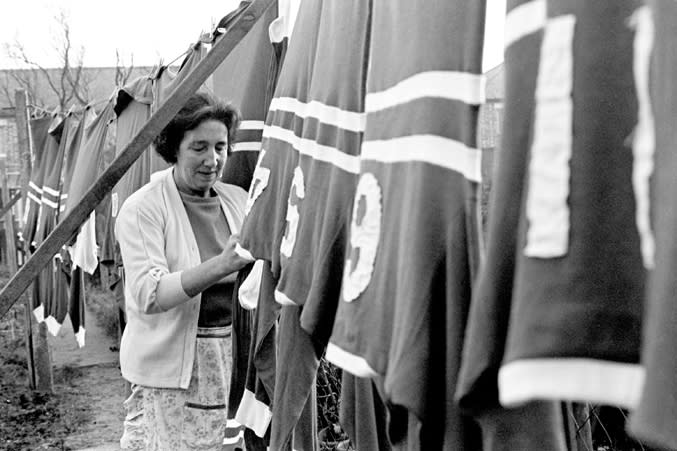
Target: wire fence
point(596, 427)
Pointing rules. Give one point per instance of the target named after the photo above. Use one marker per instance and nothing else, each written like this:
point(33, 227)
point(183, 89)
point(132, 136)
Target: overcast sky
point(148, 29)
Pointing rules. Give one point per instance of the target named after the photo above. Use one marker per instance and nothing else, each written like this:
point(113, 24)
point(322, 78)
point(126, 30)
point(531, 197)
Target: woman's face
point(201, 157)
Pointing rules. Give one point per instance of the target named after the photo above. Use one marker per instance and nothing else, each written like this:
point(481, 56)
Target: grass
point(101, 302)
point(29, 419)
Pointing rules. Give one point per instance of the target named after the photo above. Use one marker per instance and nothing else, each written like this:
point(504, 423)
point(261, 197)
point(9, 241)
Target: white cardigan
point(157, 243)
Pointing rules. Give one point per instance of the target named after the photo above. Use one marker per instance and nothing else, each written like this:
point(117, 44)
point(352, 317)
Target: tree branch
point(122, 73)
point(68, 82)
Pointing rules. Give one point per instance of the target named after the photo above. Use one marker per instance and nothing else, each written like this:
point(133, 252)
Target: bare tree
point(63, 86)
point(26, 79)
point(122, 71)
point(67, 83)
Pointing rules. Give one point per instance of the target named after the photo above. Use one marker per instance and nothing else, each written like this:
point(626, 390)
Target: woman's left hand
point(232, 261)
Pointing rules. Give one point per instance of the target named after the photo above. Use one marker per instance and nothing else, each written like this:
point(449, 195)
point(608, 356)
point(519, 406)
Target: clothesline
point(177, 58)
point(39, 111)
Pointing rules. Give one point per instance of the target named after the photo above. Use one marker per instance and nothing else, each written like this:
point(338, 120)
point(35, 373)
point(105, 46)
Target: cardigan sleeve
point(153, 288)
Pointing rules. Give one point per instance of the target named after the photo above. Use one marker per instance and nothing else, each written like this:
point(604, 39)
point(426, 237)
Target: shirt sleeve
point(153, 288)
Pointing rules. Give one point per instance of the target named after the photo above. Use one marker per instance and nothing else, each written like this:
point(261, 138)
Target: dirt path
point(91, 386)
point(99, 348)
point(91, 383)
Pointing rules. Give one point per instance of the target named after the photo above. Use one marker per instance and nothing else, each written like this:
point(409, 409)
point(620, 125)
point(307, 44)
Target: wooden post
point(44, 376)
point(23, 138)
point(36, 341)
point(10, 237)
point(79, 214)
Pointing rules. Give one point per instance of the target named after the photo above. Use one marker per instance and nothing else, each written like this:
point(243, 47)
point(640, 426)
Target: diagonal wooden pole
point(79, 214)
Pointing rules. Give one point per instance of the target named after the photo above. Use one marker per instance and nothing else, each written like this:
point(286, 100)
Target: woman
point(177, 238)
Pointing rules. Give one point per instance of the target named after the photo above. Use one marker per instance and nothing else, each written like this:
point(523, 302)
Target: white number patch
point(365, 231)
point(296, 195)
point(259, 183)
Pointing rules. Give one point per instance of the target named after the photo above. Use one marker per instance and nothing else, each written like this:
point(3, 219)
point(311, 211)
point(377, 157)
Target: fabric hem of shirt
point(354, 364)
point(253, 414)
point(574, 379)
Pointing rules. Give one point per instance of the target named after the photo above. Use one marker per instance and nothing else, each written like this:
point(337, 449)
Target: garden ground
point(85, 409)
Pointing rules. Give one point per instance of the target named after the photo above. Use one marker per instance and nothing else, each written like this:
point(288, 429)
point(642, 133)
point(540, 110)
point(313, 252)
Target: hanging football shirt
point(242, 83)
point(311, 137)
point(105, 235)
point(294, 424)
point(412, 250)
point(84, 251)
point(133, 109)
point(557, 310)
point(362, 413)
point(246, 79)
point(39, 128)
point(73, 143)
point(653, 421)
point(254, 408)
point(51, 291)
point(266, 207)
point(166, 81)
point(76, 308)
point(330, 126)
point(74, 280)
point(242, 333)
point(43, 288)
point(243, 79)
point(133, 105)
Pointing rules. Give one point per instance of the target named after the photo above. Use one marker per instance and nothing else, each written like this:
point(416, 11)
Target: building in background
point(9, 147)
point(99, 83)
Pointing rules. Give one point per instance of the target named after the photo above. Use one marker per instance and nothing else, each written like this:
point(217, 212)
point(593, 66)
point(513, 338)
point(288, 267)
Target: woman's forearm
point(198, 278)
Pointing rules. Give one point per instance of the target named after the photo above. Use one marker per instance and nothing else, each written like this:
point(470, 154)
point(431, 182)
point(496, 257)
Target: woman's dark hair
point(200, 107)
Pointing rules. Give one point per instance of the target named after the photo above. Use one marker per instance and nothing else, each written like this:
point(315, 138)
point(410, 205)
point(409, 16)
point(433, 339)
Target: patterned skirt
point(195, 418)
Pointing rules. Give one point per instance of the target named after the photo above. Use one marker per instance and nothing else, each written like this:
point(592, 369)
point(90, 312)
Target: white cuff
point(169, 292)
